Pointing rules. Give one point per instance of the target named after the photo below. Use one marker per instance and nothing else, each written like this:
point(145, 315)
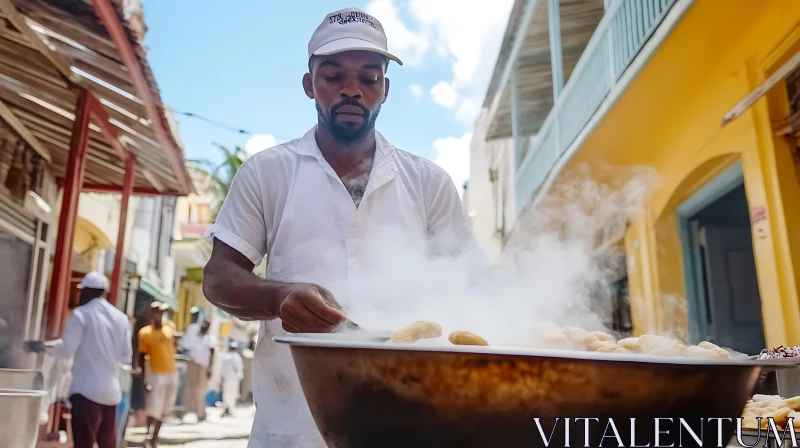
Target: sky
point(240, 63)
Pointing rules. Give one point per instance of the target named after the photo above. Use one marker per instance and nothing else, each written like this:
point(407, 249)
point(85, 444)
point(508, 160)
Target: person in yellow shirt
point(157, 342)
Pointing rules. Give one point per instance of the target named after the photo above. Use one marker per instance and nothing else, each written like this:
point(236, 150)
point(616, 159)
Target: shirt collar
point(384, 151)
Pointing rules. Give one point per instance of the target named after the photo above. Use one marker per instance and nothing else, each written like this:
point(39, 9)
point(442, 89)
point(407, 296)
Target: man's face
point(204, 327)
point(156, 314)
point(349, 89)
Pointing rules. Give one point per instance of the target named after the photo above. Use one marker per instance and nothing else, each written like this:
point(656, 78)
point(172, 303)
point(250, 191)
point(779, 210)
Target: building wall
point(489, 204)
point(669, 118)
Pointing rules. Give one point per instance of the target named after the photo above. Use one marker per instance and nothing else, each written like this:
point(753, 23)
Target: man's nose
point(351, 90)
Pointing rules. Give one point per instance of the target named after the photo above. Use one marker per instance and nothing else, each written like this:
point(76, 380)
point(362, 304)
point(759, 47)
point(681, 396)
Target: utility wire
point(212, 122)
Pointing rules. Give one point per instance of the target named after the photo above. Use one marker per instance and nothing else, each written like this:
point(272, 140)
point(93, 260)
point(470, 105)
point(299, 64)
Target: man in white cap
point(98, 336)
point(312, 206)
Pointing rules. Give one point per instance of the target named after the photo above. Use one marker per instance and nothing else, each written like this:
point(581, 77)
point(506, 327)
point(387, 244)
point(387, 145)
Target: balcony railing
point(619, 37)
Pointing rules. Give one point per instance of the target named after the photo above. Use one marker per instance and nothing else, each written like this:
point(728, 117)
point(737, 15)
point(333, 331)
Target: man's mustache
point(335, 109)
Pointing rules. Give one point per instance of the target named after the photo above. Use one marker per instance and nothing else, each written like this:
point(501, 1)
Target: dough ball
point(466, 338)
point(578, 335)
point(423, 329)
point(699, 352)
point(719, 350)
point(793, 403)
point(780, 416)
point(597, 345)
point(631, 344)
point(622, 350)
point(603, 337)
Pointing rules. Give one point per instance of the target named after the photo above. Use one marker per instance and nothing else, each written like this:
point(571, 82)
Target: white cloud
point(409, 46)
point(466, 32)
point(416, 92)
point(452, 154)
point(467, 111)
point(444, 95)
point(258, 143)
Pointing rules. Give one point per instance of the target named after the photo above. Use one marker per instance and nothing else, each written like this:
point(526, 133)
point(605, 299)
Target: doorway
point(719, 266)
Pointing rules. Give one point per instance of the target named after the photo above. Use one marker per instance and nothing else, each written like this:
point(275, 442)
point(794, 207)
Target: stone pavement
point(215, 428)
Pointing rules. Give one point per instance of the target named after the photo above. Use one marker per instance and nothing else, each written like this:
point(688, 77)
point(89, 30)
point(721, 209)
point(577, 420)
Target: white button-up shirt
point(289, 204)
point(98, 336)
point(200, 351)
point(232, 367)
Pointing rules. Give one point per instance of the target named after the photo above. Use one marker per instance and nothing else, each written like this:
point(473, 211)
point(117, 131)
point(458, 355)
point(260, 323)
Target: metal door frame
point(696, 299)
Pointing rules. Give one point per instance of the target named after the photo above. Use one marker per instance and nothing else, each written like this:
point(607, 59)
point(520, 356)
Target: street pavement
point(216, 431)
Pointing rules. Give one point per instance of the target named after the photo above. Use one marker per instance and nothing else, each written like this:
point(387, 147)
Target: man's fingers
point(328, 297)
point(323, 309)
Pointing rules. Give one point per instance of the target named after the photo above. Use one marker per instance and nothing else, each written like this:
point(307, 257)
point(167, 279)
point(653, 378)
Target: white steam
point(558, 267)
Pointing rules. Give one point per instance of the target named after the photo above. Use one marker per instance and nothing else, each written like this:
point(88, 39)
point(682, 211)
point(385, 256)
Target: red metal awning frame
point(108, 15)
point(88, 109)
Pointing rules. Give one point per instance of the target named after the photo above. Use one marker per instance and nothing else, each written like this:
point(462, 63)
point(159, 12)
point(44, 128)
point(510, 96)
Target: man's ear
point(386, 90)
point(308, 85)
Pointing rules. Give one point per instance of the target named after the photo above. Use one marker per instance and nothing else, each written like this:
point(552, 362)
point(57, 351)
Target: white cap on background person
point(159, 305)
point(349, 29)
point(94, 280)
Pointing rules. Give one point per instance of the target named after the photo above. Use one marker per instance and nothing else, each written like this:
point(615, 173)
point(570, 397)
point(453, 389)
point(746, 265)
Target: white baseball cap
point(94, 280)
point(348, 30)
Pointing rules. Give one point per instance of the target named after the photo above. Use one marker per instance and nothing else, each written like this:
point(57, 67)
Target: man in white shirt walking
point(232, 374)
point(192, 333)
point(98, 336)
point(314, 206)
point(201, 352)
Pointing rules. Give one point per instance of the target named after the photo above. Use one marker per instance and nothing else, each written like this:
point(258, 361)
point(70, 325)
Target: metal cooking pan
point(374, 394)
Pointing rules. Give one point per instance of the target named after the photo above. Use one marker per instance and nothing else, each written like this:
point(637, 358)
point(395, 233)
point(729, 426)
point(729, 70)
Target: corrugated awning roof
point(579, 19)
point(38, 84)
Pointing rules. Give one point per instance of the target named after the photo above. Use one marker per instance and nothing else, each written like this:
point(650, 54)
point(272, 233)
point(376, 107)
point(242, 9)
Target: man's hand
point(308, 308)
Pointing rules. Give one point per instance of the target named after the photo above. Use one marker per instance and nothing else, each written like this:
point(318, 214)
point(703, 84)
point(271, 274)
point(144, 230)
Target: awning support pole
point(516, 127)
point(127, 190)
point(556, 60)
point(59, 285)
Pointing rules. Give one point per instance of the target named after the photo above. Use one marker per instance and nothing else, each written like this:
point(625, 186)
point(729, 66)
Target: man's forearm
point(240, 293)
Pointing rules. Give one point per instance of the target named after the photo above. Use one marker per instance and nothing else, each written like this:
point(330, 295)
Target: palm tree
point(222, 174)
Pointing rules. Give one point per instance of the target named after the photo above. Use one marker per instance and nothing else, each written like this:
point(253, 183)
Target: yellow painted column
point(768, 183)
point(639, 251)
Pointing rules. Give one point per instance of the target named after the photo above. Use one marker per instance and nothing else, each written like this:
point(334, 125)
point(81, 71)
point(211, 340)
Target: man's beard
point(346, 134)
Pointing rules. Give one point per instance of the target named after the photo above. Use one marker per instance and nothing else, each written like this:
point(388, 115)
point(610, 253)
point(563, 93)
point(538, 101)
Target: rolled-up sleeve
point(241, 222)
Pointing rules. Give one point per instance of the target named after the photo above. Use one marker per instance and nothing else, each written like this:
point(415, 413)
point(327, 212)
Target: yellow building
point(722, 229)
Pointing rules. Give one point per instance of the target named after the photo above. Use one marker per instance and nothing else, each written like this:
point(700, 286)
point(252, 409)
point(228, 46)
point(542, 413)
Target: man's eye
point(333, 77)
point(369, 79)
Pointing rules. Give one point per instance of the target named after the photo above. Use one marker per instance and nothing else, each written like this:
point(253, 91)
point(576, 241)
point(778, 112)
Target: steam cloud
point(558, 266)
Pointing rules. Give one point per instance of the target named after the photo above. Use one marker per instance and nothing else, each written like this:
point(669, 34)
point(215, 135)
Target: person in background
point(157, 342)
point(192, 333)
point(199, 372)
point(232, 374)
point(98, 336)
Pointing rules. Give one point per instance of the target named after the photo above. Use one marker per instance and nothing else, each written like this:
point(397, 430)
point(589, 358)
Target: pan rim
point(311, 340)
